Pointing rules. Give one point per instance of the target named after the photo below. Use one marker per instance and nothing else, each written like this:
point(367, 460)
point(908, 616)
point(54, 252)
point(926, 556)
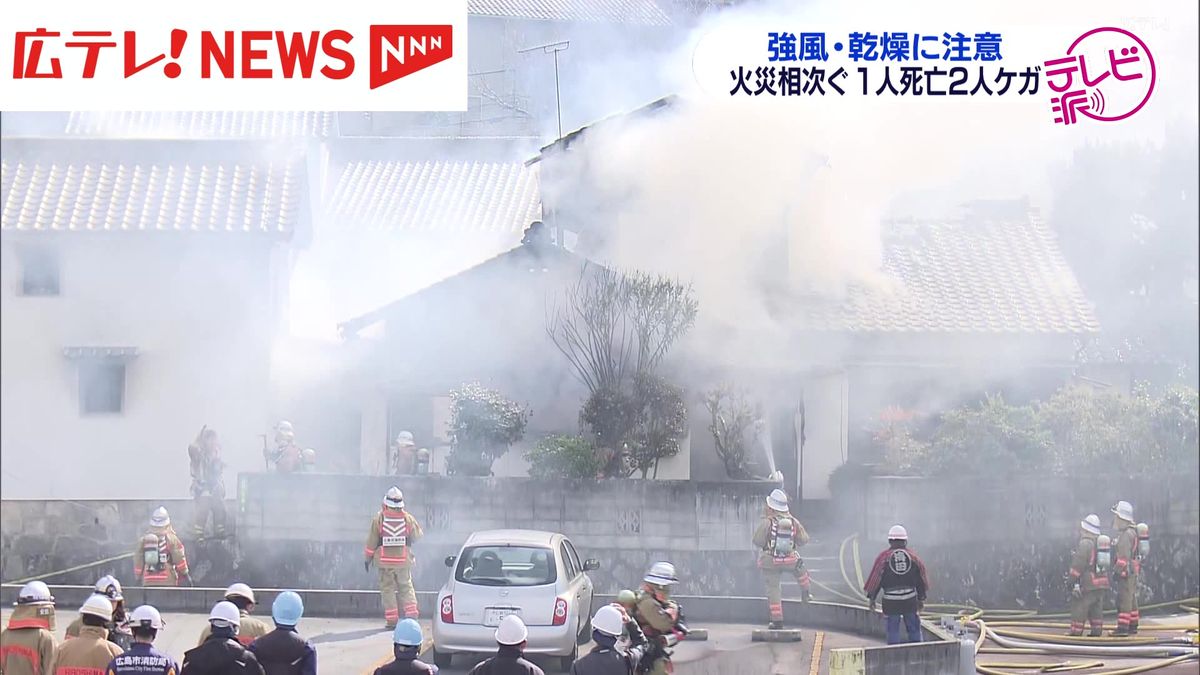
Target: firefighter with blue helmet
point(406, 645)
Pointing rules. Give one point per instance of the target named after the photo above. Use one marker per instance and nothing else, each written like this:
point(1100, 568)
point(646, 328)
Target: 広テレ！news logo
point(358, 55)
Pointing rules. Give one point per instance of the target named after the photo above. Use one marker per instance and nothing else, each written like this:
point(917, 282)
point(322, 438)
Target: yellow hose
point(70, 569)
point(856, 590)
point(1044, 667)
point(862, 583)
point(1081, 640)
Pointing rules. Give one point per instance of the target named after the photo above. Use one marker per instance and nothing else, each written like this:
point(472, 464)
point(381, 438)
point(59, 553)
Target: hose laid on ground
point(76, 568)
point(1149, 651)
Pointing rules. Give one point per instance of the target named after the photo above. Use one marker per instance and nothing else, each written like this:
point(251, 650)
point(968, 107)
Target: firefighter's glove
point(1076, 592)
point(367, 565)
point(872, 605)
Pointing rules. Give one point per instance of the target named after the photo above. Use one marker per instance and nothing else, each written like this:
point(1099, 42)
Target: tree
point(660, 423)
point(483, 424)
point(563, 456)
point(733, 414)
point(992, 436)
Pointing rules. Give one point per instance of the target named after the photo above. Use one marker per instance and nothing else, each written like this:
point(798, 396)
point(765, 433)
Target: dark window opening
point(101, 387)
point(39, 271)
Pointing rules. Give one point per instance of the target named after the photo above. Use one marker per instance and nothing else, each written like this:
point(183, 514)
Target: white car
point(535, 575)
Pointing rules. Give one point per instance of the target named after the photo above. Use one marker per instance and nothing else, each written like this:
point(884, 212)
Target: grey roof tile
point(642, 12)
point(218, 124)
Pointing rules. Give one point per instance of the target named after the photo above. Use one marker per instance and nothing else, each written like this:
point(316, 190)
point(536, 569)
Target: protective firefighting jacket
point(249, 629)
point(159, 558)
point(1127, 563)
point(900, 574)
point(286, 458)
point(27, 646)
point(88, 654)
point(392, 532)
point(1083, 565)
point(778, 537)
point(207, 473)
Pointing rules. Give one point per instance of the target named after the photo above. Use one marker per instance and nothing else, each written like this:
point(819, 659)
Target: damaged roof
point(216, 124)
point(640, 12)
point(487, 195)
point(979, 274)
point(89, 185)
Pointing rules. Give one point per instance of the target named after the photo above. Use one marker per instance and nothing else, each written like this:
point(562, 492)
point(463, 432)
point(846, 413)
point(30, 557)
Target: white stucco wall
point(199, 310)
point(825, 419)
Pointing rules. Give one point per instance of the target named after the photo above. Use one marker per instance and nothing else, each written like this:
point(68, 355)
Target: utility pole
point(553, 48)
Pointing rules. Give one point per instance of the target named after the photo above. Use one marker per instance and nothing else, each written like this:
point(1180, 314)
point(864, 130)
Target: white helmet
point(146, 616)
point(240, 590)
point(609, 620)
point(97, 605)
point(777, 500)
point(108, 586)
point(1091, 523)
point(284, 427)
point(897, 533)
point(661, 573)
point(1124, 511)
point(511, 631)
point(160, 518)
point(394, 498)
point(225, 614)
point(405, 438)
point(34, 592)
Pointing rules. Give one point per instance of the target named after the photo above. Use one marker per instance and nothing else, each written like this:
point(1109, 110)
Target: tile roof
point(642, 12)
point(220, 124)
point(979, 275)
point(461, 195)
point(81, 185)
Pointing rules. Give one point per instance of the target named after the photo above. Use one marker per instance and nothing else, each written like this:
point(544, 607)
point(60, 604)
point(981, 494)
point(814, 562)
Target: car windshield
point(506, 566)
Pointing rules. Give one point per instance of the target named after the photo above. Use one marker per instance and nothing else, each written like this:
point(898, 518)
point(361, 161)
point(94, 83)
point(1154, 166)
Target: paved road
point(352, 646)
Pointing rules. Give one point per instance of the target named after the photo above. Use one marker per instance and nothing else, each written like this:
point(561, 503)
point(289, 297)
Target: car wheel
point(585, 628)
point(570, 659)
point(442, 659)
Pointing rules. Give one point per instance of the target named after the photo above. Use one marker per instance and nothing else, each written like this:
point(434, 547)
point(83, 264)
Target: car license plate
point(493, 615)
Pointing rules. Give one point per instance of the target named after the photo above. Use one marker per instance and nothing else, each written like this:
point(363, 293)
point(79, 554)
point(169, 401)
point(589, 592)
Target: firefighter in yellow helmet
point(778, 537)
point(250, 628)
point(27, 645)
point(91, 652)
point(1088, 579)
point(390, 539)
point(159, 558)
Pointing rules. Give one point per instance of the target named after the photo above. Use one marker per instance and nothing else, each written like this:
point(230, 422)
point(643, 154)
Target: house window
point(39, 271)
point(101, 387)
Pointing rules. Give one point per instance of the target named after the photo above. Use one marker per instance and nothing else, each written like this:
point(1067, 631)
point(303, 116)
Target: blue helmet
point(408, 633)
point(287, 609)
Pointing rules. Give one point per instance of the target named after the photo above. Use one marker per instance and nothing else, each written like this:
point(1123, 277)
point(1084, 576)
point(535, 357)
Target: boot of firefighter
point(1121, 631)
point(775, 625)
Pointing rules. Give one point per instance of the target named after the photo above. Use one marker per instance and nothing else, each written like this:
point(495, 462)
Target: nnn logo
point(398, 51)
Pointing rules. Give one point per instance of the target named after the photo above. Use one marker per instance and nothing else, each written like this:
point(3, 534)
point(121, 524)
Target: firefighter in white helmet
point(900, 574)
point(511, 636)
point(1127, 566)
point(158, 557)
point(778, 538)
point(284, 456)
point(91, 651)
point(608, 627)
point(249, 628)
point(393, 532)
point(402, 455)
point(109, 587)
point(221, 653)
point(659, 616)
point(1088, 581)
point(142, 658)
point(27, 645)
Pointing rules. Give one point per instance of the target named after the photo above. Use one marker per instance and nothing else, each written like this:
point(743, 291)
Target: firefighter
point(900, 574)
point(308, 460)
point(27, 645)
point(91, 652)
point(777, 538)
point(402, 455)
point(285, 456)
point(142, 658)
point(159, 558)
point(627, 601)
point(608, 625)
point(392, 534)
point(119, 634)
point(1126, 569)
point(511, 635)
point(283, 651)
point(406, 645)
point(249, 628)
point(1088, 580)
point(208, 482)
point(221, 653)
point(658, 617)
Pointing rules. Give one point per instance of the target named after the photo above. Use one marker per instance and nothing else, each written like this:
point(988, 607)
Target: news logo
point(398, 51)
point(357, 55)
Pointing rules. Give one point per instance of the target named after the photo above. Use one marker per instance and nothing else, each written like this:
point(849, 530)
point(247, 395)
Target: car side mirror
point(450, 560)
point(591, 564)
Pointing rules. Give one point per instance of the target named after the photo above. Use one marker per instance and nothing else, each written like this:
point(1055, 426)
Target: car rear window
point(506, 566)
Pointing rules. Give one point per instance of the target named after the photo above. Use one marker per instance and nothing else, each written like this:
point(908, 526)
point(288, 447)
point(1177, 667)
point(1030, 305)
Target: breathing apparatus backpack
point(1103, 553)
point(1143, 545)
point(783, 537)
point(154, 552)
